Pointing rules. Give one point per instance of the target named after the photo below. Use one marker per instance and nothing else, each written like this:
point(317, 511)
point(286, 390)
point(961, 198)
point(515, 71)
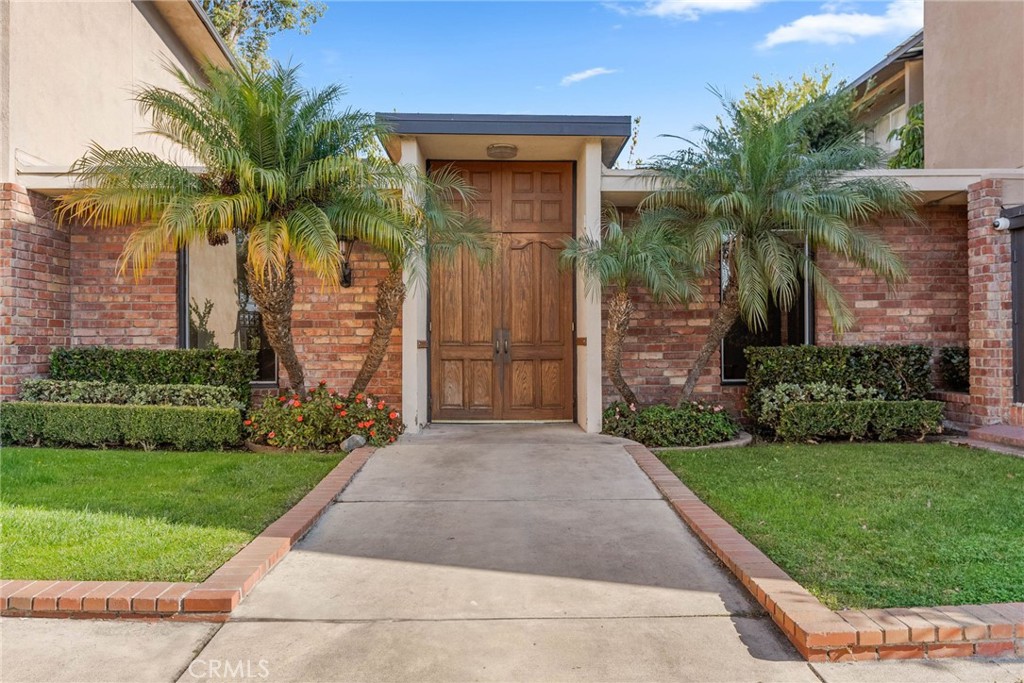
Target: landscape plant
point(751, 197)
point(955, 367)
point(695, 423)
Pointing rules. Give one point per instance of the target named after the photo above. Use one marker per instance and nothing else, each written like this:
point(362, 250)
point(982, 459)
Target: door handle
point(497, 346)
point(506, 342)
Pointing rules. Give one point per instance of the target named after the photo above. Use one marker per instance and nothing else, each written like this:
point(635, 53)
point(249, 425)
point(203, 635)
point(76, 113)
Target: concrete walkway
point(484, 553)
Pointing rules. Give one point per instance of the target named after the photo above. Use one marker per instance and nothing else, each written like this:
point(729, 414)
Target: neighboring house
point(521, 339)
point(887, 90)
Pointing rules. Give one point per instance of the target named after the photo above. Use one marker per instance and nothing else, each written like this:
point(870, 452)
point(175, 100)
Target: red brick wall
point(991, 329)
point(332, 328)
point(108, 309)
point(34, 295)
point(931, 308)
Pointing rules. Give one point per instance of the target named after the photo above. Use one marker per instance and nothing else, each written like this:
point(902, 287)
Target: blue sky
point(652, 59)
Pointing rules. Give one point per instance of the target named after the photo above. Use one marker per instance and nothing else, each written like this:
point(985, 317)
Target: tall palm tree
point(751, 196)
point(648, 255)
point(271, 162)
point(439, 224)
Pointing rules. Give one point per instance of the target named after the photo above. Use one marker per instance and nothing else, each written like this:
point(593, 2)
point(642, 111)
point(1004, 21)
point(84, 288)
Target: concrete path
point(485, 553)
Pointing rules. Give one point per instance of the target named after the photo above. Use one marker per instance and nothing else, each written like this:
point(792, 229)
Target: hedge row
point(882, 420)
point(691, 424)
point(148, 427)
point(217, 367)
point(899, 373)
point(71, 391)
point(955, 367)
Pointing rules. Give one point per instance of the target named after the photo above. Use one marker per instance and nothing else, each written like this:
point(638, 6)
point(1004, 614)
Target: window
point(216, 309)
point(784, 328)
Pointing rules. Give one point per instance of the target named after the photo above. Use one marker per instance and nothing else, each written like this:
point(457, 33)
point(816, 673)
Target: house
point(521, 339)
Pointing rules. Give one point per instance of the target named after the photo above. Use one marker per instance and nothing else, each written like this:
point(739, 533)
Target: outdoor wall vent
point(502, 150)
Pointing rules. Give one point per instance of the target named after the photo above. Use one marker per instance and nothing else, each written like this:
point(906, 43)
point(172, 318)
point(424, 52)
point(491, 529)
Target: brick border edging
point(820, 634)
point(211, 600)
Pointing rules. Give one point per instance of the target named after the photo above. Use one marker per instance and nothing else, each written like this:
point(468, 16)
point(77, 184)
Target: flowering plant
point(323, 420)
point(691, 424)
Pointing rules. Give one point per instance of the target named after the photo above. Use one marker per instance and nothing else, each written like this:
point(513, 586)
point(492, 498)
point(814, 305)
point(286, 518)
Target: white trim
point(415, 318)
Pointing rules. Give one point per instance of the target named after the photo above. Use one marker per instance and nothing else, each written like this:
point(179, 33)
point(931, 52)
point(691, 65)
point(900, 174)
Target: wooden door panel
point(501, 342)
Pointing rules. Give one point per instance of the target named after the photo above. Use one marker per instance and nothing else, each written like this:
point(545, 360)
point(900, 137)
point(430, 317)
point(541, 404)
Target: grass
point(874, 525)
point(134, 516)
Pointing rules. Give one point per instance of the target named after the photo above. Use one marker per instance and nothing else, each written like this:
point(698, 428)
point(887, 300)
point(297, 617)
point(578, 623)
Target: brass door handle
point(497, 347)
point(506, 344)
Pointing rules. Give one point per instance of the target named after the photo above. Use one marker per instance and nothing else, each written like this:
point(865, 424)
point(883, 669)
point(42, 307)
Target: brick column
point(35, 296)
point(991, 331)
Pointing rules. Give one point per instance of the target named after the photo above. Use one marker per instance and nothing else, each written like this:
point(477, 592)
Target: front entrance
point(501, 335)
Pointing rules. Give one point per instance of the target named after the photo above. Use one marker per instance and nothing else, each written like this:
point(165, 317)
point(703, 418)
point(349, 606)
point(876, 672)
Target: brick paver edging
point(211, 600)
point(819, 634)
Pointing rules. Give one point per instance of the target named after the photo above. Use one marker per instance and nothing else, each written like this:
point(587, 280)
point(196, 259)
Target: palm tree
point(438, 225)
point(649, 255)
point(274, 164)
point(751, 196)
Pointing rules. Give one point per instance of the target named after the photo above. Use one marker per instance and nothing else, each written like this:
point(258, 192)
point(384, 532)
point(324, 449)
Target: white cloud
point(589, 73)
point(689, 10)
point(834, 27)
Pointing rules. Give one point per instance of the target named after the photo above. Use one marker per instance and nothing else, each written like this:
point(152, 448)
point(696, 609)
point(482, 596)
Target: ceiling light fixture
point(502, 150)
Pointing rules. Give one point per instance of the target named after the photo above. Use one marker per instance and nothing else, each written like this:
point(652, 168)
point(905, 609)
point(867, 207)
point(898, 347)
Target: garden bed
point(874, 525)
point(134, 516)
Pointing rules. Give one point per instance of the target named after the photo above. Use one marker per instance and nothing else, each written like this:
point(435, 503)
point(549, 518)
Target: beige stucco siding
point(73, 68)
point(974, 84)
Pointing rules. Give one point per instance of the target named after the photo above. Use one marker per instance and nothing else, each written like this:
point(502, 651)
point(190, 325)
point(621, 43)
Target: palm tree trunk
point(390, 297)
point(728, 313)
point(274, 295)
point(620, 310)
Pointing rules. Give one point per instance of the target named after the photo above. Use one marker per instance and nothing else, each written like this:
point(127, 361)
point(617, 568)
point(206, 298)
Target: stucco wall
point(72, 70)
point(974, 84)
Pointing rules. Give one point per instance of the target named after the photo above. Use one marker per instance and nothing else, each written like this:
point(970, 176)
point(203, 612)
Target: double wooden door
point(501, 334)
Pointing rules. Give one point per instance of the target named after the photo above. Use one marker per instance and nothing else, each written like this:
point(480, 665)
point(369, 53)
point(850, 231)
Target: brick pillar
point(35, 296)
point(991, 331)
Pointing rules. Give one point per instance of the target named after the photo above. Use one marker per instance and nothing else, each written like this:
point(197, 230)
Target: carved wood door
point(501, 337)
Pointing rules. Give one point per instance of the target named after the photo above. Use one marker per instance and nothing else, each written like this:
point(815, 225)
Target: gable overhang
point(466, 137)
point(196, 32)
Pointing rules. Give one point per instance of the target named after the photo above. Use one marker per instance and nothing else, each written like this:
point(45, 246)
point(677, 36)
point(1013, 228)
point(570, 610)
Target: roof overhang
point(466, 136)
point(910, 49)
point(196, 32)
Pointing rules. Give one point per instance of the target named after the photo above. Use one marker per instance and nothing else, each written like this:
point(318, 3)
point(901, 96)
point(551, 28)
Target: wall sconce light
point(1010, 218)
point(346, 265)
point(502, 150)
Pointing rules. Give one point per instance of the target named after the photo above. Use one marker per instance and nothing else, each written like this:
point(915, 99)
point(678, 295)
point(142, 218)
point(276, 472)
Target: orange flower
point(271, 435)
point(323, 382)
point(359, 397)
point(281, 399)
point(380, 406)
point(393, 415)
point(298, 419)
point(337, 406)
point(391, 440)
point(343, 413)
point(247, 423)
point(297, 404)
point(373, 433)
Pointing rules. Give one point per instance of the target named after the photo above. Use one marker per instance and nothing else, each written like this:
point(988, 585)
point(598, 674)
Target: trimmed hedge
point(148, 427)
point(881, 420)
point(691, 424)
point(216, 367)
point(955, 367)
point(899, 373)
point(71, 391)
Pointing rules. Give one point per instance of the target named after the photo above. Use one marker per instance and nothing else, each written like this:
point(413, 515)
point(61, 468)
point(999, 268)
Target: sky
point(653, 59)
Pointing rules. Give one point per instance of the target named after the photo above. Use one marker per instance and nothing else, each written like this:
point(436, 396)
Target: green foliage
point(247, 27)
point(955, 367)
point(897, 372)
point(71, 391)
point(691, 424)
point(148, 427)
point(199, 325)
point(772, 402)
point(871, 419)
point(216, 367)
point(323, 420)
point(827, 111)
point(750, 190)
point(911, 137)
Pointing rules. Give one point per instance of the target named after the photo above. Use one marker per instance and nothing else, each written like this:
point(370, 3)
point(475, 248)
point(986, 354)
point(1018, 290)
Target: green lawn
point(129, 515)
point(874, 525)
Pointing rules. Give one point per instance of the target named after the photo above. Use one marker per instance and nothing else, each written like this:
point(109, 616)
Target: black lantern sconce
point(346, 265)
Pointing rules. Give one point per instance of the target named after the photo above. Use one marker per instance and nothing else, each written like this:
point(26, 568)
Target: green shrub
point(692, 424)
point(79, 424)
point(872, 419)
point(770, 403)
point(955, 367)
point(898, 373)
point(70, 391)
point(323, 420)
point(216, 367)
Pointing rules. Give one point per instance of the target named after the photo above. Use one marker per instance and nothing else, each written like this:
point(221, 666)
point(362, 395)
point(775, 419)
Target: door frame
point(430, 163)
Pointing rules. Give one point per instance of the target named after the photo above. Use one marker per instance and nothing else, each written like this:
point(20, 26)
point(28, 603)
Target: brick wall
point(991, 332)
point(112, 310)
point(931, 308)
point(34, 295)
point(332, 328)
